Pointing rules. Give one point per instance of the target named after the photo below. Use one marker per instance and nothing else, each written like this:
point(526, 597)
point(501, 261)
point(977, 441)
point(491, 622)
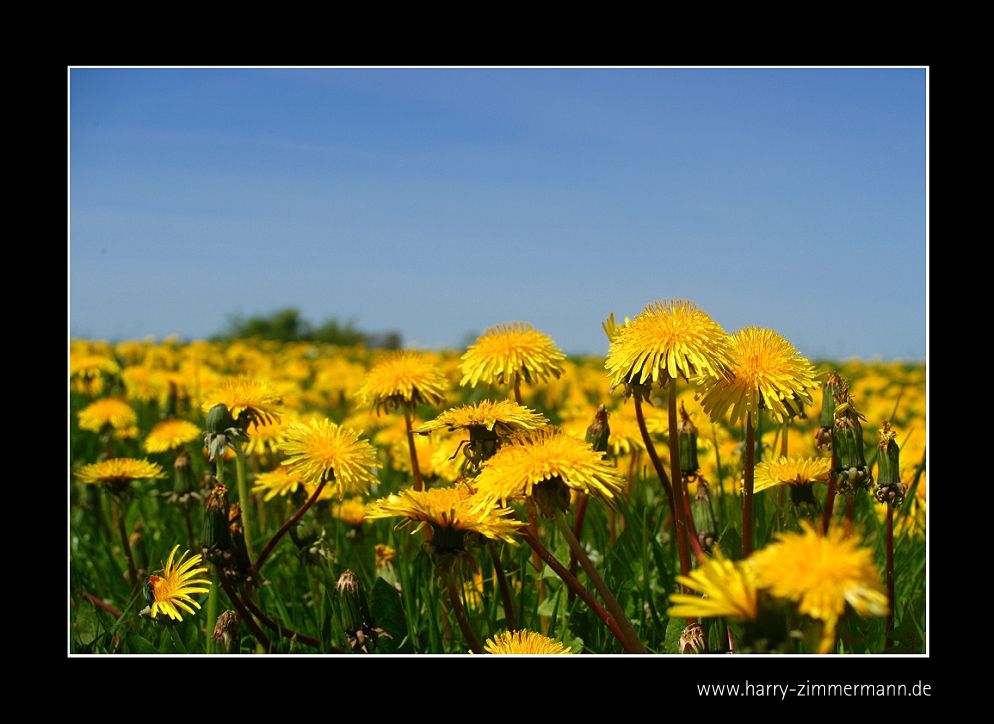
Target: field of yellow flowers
point(693, 492)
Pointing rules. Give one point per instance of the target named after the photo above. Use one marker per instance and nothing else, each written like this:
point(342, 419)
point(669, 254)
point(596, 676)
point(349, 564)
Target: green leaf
point(140, 645)
point(87, 623)
point(674, 628)
point(388, 613)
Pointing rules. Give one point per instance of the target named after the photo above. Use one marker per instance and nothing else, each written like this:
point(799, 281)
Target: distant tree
point(286, 325)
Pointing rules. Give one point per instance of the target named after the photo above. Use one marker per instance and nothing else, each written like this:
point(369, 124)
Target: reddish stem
point(286, 526)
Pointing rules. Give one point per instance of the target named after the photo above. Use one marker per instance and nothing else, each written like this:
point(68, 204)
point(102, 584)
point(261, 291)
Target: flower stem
point(286, 526)
point(890, 572)
point(664, 479)
point(415, 469)
point(505, 591)
point(826, 516)
point(122, 528)
point(748, 485)
point(243, 498)
point(575, 585)
point(609, 600)
point(679, 513)
point(578, 516)
point(212, 609)
point(465, 626)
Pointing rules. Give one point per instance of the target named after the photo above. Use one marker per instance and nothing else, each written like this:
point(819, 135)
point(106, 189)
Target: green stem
point(748, 486)
point(650, 448)
point(575, 585)
point(212, 608)
point(890, 572)
point(609, 600)
point(461, 618)
point(679, 512)
point(122, 510)
point(243, 498)
point(415, 468)
point(505, 590)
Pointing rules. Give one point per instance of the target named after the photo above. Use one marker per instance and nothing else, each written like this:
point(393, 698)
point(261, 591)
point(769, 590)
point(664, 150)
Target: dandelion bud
point(356, 619)
point(889, 487)
point(215, 535)
point(227, 632)
point(551, 496)
point(599, 431)
point(847, 445)
point(219, 420)
point(833, 384)
point(184, 480)
point(240, 556)
point(687, 436)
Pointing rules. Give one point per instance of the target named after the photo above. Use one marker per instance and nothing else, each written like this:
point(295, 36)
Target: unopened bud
point(215, 535)
point(889, 487)
point(687, 436)
point(599, 431)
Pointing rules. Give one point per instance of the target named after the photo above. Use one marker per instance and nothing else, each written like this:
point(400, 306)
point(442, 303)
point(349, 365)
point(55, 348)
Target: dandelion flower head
point(505, 417)
point(173, 589)
point(822, 574)
point(321, 450)
point(547, 454)
point(451, 509)
point(404, 378)
point(524, 642)
point(509, 353)
point(171, 435)
point(120, 471)
point(668, 340)
point(767, 371)
point(729, 589)
point(792, 471)
point(245, 398)
point(107, 411)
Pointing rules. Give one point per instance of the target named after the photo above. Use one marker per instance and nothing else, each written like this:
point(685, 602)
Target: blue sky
point(439, 202)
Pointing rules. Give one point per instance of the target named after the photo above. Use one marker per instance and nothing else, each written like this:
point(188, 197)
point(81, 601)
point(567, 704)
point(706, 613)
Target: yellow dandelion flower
point(509, 353)
point(524, 642)
point(172, 590)
point(170, 435)
point(277, 482)
point(545, 455)
point(405, 379)
point(88, 370)
point(254, 399)
point(108, 411)
point(667, 340)
point(117, 472)
point(792, 471)
point(822, 574)
point(450, 512)
point(352, 511)
point(321, 450)
point(384, 555)
point(767, 372)
point(505, 417)
point(729, 589)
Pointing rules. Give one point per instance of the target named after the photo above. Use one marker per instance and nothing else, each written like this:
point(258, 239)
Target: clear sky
point(439, 202)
